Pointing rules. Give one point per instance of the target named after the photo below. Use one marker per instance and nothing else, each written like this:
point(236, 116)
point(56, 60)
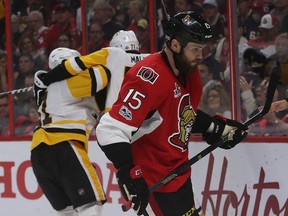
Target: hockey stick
point(17, 91)
point(165, 9)
point(275, 75)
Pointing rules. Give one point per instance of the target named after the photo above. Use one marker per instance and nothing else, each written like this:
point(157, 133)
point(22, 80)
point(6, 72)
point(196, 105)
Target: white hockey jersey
point(69, 108)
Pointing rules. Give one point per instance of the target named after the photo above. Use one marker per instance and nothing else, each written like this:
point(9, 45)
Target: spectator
point(217, 69)
point(136, 11)
point(255, 62)
point(269, 27)
point(96, 38)
point(214, 18)
point(4, 116)
point(182, 5)
point(142, 33)
point(205, 74)
point(248, 102)
point(281, 46)
point(38, 30)
point(64, 40)
point(3, 73)
point(103, 13)
point(262, 7)
point(222, 47)
point(26, 66)
point(187, 5)
point(36, 5)
point(27, 45)
point(251, 102)
point(64, 24)
point(23, 101)
point(271, 124)
point(121, 14)
point(33, 120)
point(250, 19)
point(215, 100)
point(280, 10)
point(21, 123)
point(16, 31)
point(88, 15)
point(23, 9)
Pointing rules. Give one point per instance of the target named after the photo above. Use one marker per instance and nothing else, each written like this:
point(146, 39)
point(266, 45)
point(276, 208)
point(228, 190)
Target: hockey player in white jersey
point(59, 151)
point(119, 57)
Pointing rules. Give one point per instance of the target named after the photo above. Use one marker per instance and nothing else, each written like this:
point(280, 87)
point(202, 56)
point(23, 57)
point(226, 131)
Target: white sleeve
point(110, 130)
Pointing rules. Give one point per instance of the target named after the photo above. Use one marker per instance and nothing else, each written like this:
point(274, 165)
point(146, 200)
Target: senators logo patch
point(147, 74)
point(186, 118)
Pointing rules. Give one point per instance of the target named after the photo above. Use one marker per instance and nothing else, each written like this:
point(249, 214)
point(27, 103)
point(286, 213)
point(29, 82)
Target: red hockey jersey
point(154, 112)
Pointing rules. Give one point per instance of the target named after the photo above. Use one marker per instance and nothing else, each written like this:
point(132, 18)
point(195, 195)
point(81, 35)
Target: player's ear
point(175, 45)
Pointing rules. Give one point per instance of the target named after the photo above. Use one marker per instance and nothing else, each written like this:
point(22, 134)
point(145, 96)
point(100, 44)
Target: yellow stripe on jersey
point(80, 85)
point(53, 138)
point(92, 175)
point(95, 58)
point(86, 84)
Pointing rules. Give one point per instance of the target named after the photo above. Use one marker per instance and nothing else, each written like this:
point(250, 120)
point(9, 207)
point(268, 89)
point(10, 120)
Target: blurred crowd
point(39, 26)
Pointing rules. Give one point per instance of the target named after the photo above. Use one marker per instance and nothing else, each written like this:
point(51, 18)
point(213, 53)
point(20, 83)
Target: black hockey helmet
point(188, 27)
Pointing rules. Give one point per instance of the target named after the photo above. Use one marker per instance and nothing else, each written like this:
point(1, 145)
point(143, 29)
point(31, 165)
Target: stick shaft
point(17, 91)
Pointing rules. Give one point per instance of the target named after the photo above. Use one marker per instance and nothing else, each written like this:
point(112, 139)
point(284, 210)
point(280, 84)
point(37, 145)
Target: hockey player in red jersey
point(146, 133)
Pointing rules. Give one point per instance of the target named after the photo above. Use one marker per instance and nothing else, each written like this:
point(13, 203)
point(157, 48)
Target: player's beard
point(183, 65)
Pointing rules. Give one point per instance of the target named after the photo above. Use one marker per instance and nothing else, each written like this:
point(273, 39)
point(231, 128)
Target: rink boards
point(251, 179)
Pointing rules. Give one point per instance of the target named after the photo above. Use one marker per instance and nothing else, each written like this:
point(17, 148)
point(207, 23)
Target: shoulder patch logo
point(147, 74)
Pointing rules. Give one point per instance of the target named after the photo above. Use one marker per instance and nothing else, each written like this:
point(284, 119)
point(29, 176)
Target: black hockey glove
point(234, 130)
point(133, 187)
point(39, 88)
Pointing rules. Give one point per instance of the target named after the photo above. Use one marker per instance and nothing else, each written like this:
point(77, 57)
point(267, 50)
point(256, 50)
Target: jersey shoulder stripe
point(89, 82)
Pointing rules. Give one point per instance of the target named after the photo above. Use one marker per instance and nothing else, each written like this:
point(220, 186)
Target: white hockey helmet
point(60, 54)
point(126, 40)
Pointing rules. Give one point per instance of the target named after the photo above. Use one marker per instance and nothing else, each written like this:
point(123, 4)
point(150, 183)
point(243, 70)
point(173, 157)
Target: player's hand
point(231, 132)
point(133, 187)
point(39, 88)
